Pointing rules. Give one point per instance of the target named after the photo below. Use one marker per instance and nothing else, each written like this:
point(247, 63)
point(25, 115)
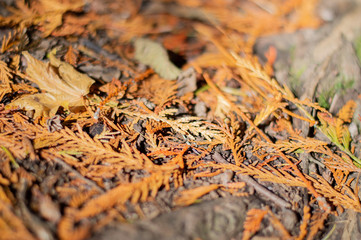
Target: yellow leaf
point(64, 86)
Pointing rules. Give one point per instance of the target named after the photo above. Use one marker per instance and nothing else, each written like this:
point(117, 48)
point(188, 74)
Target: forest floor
point(173, 119)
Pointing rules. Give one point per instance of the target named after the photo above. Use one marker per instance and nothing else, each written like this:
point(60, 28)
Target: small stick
point(264, 191)
point(77, 174)
point(258, 187)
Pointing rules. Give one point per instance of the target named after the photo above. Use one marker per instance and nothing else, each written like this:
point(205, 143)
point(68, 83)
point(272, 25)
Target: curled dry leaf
point(155, 55)
point(63, 85)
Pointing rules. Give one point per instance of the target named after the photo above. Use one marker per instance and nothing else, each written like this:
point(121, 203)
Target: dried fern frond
point(271, 106)
point(347, 198)
point(278, 225)
point(305, 220)
point(316, 224)
point(347, 111)
point(5, 74)
point(152, 138)
point(338, 133)
point(253, 222)
point(68, 230)
point(188, 197)
point(119, 195)
point(11, 226)
point(294, 167)
point(233, 139)
point(47, 14)
point(14, 40)
point(5, 83)
point(295, 143)
point(190, 127)
point(157, 90)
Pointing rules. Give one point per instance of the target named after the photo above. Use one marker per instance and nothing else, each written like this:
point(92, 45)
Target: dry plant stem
point(10, 156)
point(77, 174)
point(258, 187)
point(30, 148)
point(278, 225)
point(264, 191)
point(31, 221)
point(323, 204)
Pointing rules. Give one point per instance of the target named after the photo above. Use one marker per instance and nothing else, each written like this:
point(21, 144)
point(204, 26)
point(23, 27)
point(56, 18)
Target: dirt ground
point(167, 119)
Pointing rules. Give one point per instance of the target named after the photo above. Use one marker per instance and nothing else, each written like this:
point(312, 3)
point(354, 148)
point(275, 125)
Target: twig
point(264, 191)
point(77, 174)
point(10, 156)
point(258, 187)
point(41, 230)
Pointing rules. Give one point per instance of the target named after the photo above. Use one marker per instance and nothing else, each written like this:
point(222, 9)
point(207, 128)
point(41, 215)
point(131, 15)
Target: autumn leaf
point(71, 55)
point(63, 85)
point(155, 55)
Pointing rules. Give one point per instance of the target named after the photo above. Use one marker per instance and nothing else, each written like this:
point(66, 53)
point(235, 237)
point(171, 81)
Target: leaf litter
point(64, 86)
point(193, 118)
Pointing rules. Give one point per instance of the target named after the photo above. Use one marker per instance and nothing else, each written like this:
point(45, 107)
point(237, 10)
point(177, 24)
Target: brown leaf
point(71, 55)
point(64, 86)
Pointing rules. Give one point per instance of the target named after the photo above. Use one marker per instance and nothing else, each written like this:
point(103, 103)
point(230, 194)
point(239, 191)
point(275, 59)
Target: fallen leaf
point(63, 85)
point(155, 55)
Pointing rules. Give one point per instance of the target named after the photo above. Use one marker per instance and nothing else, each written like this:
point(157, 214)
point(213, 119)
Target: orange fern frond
point(295, 143)
point(68, 230)
point(187, 126)
point(71, 55)
point(5, 75)
point(159, 91)
point(11, 226)
point(13, 40)
point(346, 198)
point(304, 224)
point(253, 222)
point(271, 106)
point(134, 192)
point(347, 111)
point(80, 198)
point(278, 225)
point(316, 224)
point(188, 197)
